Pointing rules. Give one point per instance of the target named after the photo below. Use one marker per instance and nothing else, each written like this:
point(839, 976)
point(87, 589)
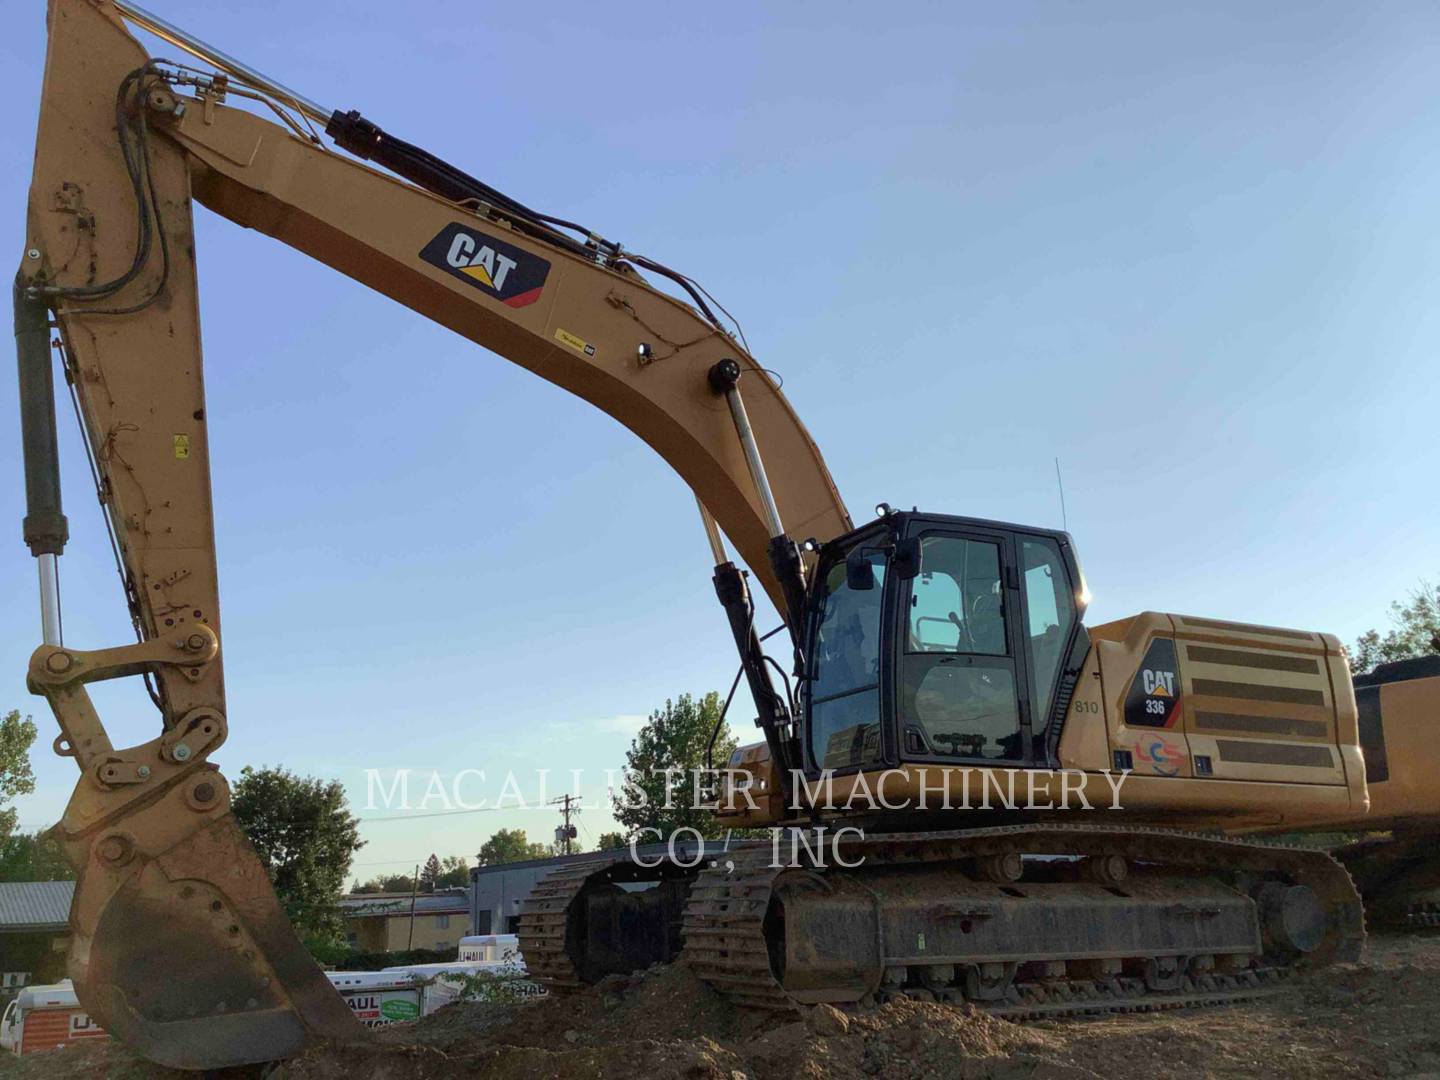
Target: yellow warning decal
point(182, 446)
point(580, 345)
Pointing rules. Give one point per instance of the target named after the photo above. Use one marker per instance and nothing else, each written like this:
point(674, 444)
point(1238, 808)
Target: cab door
point(961, 682)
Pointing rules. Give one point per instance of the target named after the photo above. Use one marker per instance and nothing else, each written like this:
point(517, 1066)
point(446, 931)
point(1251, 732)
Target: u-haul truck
point(49, 1017)
point(46, 1018)
point(444, 983)
point(378, 998)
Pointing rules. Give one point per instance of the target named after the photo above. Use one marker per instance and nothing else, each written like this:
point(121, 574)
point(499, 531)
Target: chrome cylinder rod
point(216, 58)
point(50, 599)
point(725, 378)
point(712, 533)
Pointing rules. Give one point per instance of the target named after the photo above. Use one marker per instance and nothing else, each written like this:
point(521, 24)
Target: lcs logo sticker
point(509, 274)
point(1154, 697)
point(1162, 756)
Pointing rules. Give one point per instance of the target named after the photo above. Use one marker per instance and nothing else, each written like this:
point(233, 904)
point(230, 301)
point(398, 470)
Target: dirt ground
point(1375, 1019)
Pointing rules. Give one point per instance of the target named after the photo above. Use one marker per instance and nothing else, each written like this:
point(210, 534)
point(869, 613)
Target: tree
point(1415, 631)
point(385, 883)
point(454, 873)
point(429, 872)
point(611, 841)
point(306, 836)
point(510, 845)
point(674, 737)
point(33, 857)
point(16, 778)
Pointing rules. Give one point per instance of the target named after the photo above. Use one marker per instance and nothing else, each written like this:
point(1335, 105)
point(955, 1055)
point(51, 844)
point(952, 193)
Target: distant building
point(34, 932)
point(382, 922)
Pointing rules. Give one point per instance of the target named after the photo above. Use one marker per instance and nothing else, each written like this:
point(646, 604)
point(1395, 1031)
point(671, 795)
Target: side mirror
point(859, 574)
point(907, 562)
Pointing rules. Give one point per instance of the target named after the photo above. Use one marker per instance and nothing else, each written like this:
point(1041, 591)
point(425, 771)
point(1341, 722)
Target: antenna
point(1060, 483)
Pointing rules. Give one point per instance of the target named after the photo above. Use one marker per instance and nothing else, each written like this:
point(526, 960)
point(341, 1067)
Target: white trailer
point(445, 983)
point(489, 948)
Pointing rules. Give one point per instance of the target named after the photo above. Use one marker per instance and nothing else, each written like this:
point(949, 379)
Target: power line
point(443, 813)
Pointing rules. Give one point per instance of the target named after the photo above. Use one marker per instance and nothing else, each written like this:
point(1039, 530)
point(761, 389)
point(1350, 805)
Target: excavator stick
point(179, 945)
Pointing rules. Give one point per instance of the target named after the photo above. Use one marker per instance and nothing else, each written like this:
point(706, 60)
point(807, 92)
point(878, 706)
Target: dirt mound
point(700, 1060)
point(667, 1023)
point(1375, 1019)
point(903, 1040)
point(666, 1003)
point(84, 1062)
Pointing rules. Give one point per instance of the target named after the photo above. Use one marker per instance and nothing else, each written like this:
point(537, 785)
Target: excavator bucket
point(187, 956)
point(179, 947)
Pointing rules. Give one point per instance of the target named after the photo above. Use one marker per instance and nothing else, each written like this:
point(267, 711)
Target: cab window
point(958, 684)
point(844, 715)
point(955, 605)
point(1049, 613)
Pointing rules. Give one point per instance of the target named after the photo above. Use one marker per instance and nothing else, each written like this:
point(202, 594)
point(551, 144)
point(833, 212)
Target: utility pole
point(414, 888)
point(565, 834)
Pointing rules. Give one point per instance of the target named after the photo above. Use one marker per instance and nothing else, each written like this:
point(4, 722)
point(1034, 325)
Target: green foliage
point(306, 836)
point(429, 872)
point(508, 846)
point(327, 951)
point(23, 856)
point(611, 841)
point(492, 987)
point(454, 873)
point(16, 777)
point(386, 883)
point(674, 737)
point(1415, 631)
point(451, 872)
point(33, 857)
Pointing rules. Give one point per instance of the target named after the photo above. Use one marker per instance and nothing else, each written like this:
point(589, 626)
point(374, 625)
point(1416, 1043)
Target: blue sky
point(1190, 251)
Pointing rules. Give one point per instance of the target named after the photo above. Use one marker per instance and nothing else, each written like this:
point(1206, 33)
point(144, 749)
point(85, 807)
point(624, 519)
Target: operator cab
point(938, 639)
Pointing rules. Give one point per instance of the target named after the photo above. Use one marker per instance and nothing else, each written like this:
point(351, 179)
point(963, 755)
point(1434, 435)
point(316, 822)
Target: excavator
point(923, 648)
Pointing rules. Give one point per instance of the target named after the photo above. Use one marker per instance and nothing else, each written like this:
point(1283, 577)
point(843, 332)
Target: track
point(727, 942)
point(543, 921)
point(725, 922)
point(1424, 916)
point(1399, 877)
